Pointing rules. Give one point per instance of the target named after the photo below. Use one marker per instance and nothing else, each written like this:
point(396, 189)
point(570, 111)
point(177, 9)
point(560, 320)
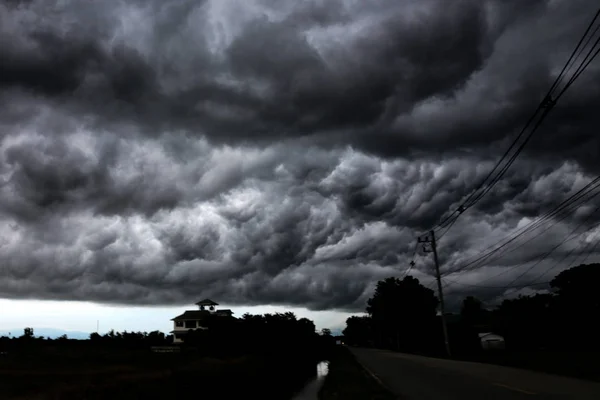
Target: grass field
point(348, 380)
point(81, 374)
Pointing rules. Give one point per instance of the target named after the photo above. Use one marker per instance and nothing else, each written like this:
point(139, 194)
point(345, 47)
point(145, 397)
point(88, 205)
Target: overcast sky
point(281, 153)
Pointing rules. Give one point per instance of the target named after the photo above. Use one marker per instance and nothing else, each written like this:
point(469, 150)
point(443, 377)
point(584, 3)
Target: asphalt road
point(424, 378)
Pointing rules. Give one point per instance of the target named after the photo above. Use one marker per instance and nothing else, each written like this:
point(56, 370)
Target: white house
point(491, 341)
point(196, 319)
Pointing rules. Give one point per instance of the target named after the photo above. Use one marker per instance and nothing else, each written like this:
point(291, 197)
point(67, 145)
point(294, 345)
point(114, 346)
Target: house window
point(190, 324)
point(179, 324)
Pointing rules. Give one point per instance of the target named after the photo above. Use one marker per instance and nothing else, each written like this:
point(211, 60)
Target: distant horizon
point(46, 332)
point(73, 316)
point(54, 333)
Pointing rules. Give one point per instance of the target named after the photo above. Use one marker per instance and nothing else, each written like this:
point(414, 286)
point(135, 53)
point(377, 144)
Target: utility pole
point(433, 250)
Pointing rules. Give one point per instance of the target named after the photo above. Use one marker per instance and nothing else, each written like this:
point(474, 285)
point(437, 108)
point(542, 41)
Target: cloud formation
point(277, 152)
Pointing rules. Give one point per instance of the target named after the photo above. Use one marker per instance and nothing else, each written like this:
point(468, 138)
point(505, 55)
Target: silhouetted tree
point(156, 338)
point(524, 321)
point(579, 282)
point(358, 331)
point(464, 332)
point(275, 334)
point(403, 314)
point(576, 306)
point(472, 312)
point(565, 318)
point(306, 326)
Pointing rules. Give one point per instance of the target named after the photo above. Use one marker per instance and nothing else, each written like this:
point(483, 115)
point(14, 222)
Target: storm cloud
point(281, 152)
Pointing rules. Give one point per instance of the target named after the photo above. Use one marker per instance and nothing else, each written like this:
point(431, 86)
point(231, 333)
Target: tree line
point(401, 315)
point(278, 333)
point(117, 340)
point(269, 356)
point(260, 334)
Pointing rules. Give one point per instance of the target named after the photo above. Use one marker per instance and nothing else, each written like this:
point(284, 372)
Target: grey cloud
point(260, 243)
point(277, 77)
point(114, 176)
point(284, 153)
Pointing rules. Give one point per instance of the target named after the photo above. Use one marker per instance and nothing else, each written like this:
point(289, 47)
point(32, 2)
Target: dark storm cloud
point(307, 69)
point(278, 152)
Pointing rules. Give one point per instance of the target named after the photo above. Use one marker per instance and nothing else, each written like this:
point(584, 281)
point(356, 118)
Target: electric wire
point(546, 104)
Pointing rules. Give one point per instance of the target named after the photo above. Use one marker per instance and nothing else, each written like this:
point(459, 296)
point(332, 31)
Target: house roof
point(207, 302)
point(226, 311)
point(193, 314)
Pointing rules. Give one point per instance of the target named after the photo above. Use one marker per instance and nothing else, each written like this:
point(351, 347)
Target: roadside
point(418, 377)
point(348, 380)
point(581, 365)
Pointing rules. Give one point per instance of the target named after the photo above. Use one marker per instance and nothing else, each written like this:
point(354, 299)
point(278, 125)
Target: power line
point(453, 282)
point(572, 263)
point(568, 205)
point(447, 229)
point(412, 262)
point(590, 56)
point(531, 283)
point(591, 251)
point(579, 53)
point(546, 255)
point(546, 105)
point(563, 71)
point(489, 257)
point(583, 66)
point(512, 284)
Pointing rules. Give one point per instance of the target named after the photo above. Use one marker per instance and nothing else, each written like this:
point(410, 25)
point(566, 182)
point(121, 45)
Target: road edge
point(378, 379)
point(349, 379)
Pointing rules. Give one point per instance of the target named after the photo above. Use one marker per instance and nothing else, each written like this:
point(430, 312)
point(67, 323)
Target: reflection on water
point(311, 390)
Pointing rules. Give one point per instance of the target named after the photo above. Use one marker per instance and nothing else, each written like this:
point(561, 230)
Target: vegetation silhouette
point(549, 331)
point(270, 356)
point(401, 316)
point(259, 334)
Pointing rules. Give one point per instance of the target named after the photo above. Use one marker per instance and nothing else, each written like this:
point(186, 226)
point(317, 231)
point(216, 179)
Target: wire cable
point(566, 205)
point(412, 262)
point(591, 252)
point(546, 255)
point(546, 104)
point(490, 258)
point(579, 53)
point(453, 282)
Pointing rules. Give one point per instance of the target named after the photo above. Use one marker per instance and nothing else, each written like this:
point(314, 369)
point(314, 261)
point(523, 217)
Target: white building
point(196, 319)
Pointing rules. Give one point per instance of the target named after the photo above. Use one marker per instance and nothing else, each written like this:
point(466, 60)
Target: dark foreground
point(576, 364)
point(144, 375)
point(416, 377)
point(348, 380)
